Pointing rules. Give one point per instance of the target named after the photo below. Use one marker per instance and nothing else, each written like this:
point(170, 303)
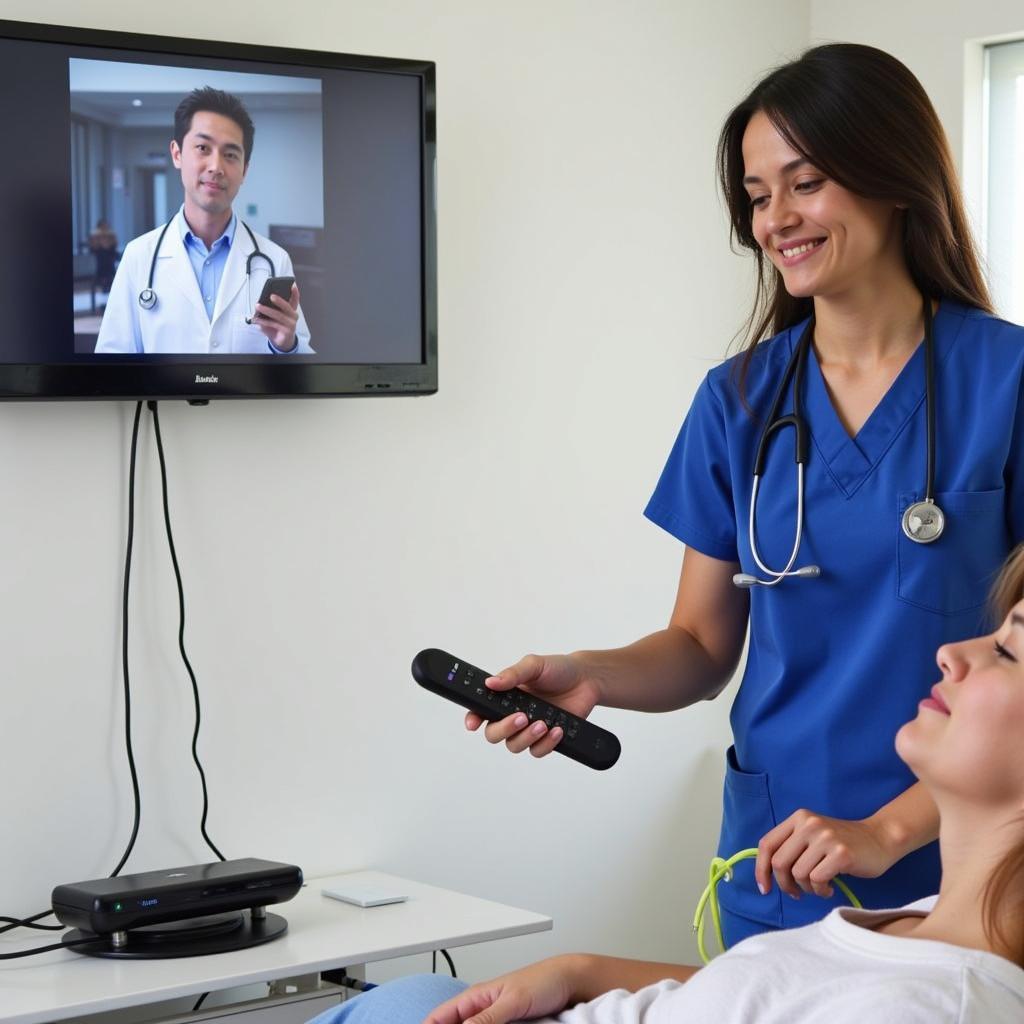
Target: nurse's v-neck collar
point(850, 460)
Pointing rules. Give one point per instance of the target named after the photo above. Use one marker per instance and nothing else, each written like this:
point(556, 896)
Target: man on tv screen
point(200, 284)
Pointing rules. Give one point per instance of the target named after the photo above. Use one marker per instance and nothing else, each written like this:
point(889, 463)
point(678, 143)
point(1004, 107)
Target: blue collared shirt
point(207, 264)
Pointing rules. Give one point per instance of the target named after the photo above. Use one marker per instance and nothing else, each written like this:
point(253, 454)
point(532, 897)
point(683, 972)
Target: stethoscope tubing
point(148, 297)
point(780, 576)
point(922, 522)
point(795, 373)
point(721, 869)
point(929, 400)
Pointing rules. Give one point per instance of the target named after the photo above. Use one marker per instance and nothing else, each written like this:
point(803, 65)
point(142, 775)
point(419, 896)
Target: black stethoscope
point(147, 297)
point(922, 521)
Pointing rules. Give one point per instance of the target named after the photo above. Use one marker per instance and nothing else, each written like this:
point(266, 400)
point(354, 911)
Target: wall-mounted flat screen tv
point(193, 219)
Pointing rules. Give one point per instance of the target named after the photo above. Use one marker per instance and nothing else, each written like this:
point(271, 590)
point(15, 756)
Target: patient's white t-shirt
point(837, 971)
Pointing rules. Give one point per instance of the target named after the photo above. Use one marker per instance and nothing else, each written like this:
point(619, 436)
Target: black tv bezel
point(145, 378)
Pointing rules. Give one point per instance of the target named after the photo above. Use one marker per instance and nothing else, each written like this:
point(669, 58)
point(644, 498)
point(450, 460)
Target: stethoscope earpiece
point(745, 581)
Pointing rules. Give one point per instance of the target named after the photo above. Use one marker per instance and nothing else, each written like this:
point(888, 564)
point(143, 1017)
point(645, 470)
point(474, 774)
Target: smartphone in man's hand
point(274, 286)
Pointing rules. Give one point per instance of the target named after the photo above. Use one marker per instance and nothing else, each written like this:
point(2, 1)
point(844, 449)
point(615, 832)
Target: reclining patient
point(957, 957)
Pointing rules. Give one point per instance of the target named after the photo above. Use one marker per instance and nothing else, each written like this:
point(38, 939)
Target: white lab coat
point(178, 323)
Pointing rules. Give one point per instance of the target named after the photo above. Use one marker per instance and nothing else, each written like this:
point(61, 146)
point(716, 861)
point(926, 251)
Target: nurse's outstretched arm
point(691, 659)
point(806, 851)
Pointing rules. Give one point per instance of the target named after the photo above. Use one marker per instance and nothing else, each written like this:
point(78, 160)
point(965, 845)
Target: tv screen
point(194, 219)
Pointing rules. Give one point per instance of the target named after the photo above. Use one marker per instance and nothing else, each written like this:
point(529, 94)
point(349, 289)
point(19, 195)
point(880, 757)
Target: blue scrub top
point(837, 664)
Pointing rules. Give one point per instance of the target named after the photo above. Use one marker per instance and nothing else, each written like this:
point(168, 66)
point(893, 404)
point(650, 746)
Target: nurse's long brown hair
point(1004, 894)
point(865, 121)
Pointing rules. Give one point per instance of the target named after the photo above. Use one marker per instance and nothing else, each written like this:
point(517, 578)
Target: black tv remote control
point(458, 681)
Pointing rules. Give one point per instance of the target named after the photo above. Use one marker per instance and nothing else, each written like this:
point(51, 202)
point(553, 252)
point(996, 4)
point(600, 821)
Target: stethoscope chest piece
point(923, 522)
point(147, 298)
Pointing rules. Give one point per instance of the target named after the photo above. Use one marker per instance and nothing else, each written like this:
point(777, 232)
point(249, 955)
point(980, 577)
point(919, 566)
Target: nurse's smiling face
point(824, 239)
point(968, 737)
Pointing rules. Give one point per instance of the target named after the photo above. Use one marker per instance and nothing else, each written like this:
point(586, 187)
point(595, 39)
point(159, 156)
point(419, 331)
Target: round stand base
point(195, 936)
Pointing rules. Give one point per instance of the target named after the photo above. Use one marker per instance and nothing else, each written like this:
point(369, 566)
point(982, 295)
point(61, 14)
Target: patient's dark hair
point(1004, 894)
point(863, 119)
point(214, 101)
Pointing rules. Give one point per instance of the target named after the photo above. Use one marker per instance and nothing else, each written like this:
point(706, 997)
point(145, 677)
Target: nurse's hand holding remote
point(558, 678)
point(691, 659)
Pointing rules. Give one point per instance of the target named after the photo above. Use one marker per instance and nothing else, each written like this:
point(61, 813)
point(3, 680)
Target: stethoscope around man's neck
point(922, 521)
point(147, 297)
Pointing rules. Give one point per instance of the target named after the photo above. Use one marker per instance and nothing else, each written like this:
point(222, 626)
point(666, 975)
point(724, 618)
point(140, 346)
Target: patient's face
point(968, 740)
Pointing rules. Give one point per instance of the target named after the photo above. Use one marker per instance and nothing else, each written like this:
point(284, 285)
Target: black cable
point(357, 984)
point(124, 644)
point(451, 964)
point(339, 977)
point(29, 922)
point(929, 371)
point(57, 945)
point(181, 626)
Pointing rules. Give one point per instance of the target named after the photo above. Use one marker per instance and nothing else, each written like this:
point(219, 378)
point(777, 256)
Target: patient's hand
point(806, 851)
point(540, 990)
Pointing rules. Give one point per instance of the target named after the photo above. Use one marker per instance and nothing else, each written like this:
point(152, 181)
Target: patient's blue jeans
point(402, 1001)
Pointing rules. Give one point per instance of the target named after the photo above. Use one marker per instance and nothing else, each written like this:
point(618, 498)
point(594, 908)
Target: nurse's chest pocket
point(953, 574)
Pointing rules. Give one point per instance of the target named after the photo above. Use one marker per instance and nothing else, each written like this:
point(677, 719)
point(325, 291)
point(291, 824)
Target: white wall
point(942, 43)
point(930, 38)
point(586, 285)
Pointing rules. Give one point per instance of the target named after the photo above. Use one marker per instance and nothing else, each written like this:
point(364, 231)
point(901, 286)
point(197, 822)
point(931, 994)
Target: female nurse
point(839, 180)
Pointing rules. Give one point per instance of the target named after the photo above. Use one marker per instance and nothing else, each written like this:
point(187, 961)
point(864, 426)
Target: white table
point(323, 934)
